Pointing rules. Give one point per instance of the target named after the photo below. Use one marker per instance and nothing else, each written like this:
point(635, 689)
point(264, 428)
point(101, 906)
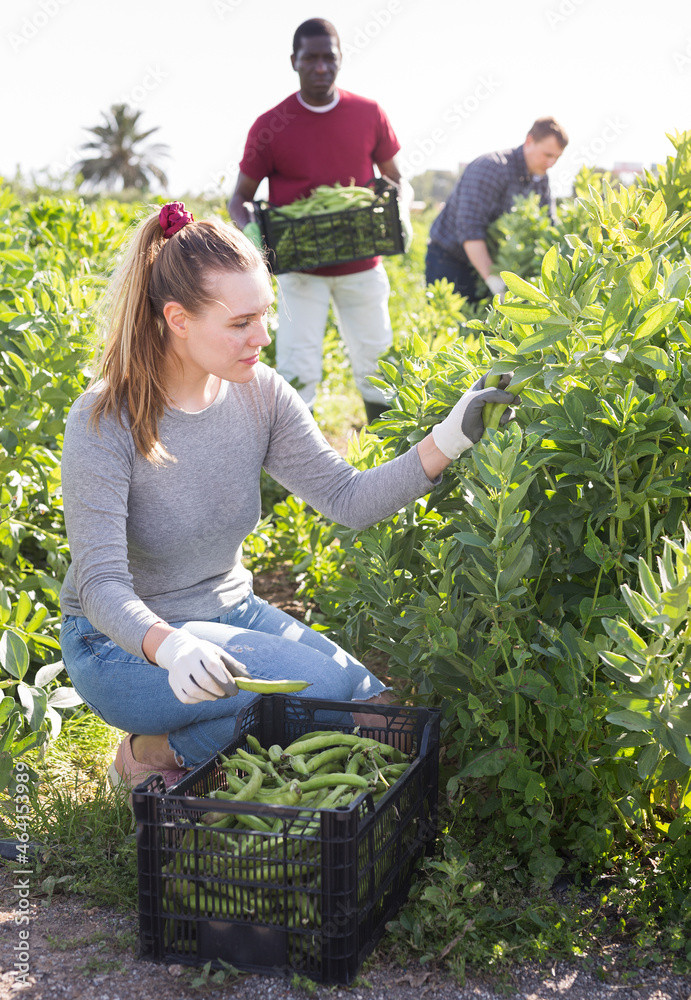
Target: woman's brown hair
point(134, 335)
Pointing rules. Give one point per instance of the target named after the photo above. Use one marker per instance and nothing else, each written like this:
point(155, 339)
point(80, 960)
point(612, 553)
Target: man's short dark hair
point(309, 29)
point(543, 128)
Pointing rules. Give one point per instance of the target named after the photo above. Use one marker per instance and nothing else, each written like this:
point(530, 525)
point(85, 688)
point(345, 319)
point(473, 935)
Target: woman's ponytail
point(131, 362)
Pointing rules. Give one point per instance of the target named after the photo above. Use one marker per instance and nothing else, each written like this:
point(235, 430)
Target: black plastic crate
point(332, 237)
point(313, 901)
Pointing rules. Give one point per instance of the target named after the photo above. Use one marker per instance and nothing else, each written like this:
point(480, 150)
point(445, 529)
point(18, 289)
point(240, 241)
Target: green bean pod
point(270, 687)
point(297, 762)
point(327, 757)
point(492, 412)
point(329, 767)
point(253, 822)
point(329, 780)
point(355, 763)
point(273, 773)
point(261, 762)
point(312, 735)
point(253, 784)
point(255, 745)
point(319, 743)
point(289, 795)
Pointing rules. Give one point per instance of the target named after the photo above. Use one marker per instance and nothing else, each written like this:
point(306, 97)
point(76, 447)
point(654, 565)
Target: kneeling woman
point(161, 474)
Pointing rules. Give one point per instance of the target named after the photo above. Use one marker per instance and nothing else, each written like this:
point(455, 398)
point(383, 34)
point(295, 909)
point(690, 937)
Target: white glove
point(464, 426)
point(496, 286)
point(198, 670)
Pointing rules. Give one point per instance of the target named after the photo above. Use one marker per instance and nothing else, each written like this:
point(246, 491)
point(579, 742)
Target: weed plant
point(83, 831)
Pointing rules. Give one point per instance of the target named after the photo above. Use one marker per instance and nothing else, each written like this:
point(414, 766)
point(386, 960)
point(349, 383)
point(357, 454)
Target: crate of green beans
point(333, 225)
point(290, 850)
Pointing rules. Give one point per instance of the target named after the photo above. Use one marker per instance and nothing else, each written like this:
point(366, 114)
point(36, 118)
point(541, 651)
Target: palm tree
point(119, 156)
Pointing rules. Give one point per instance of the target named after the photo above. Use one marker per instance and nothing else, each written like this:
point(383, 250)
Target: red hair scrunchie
point(173, 217)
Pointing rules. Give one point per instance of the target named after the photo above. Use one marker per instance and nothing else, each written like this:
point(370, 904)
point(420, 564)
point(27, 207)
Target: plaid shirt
point(486, 190)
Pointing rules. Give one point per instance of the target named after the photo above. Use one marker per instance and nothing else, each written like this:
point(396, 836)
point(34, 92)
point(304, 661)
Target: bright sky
point(456, 79)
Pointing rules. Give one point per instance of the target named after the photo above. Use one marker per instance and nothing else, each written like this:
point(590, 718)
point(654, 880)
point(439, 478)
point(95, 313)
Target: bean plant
point(507, 595)
point(52, 251)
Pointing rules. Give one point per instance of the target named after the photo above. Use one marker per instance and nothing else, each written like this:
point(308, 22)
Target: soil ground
point(78, 951)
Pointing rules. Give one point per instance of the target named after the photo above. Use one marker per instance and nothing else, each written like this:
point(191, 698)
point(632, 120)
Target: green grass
point(85, 829)
point(86, 746)
point(87, 837)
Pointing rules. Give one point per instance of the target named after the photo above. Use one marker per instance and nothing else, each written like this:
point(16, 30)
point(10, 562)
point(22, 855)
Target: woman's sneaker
point(127, 772)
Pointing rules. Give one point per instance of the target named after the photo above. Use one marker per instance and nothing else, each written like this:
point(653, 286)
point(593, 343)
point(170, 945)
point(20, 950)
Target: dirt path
point(76, 950)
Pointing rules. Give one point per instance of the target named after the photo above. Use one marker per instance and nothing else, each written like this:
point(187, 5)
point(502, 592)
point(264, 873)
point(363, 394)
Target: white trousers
point(361, 307)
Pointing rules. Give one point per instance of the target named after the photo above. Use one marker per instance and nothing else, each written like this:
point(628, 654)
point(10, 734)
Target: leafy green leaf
point(472, 889)
point(549, 335)
point(5, 605)
point(487, 763)
point(511, 575)
point(679, 719)
point(467, 538)
point(23, 609)
point(654, 357)
point(647, 762)
point(16, 257)
point(48, 672)
point(34, 702)
point(550, 268)
point(630, 720)
point(655, 319)
point(67, 697)
point(14, 654)
point(7, 706)
point(523, 289)
point(522, 313)
point(622, 633)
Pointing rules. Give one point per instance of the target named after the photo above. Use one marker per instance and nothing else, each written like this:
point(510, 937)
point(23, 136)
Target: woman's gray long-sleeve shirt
point(165, 542)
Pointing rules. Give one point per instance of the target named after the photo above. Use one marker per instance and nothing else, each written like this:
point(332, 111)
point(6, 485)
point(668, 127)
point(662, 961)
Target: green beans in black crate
point(320, 770)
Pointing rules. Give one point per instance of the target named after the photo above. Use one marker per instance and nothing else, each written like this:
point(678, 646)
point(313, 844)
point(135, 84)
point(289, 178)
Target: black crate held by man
point(363, 227)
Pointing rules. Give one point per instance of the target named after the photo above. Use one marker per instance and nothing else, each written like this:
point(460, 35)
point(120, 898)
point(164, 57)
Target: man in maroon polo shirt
point(321, 135)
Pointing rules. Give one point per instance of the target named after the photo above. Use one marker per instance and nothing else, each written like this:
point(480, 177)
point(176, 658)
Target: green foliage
point(50, 252)
point(653, 700)
point(206, 977)
point(490, 916)
point(540, 594)
point(521, 237)
point(304, 984)
point(86, 834)
point(494, 916)
point(505, 595)
point(30, 705)
point(673, 180)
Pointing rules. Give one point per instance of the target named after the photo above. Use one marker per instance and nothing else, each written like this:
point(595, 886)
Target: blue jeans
point(439, 263)
point(128, 692)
